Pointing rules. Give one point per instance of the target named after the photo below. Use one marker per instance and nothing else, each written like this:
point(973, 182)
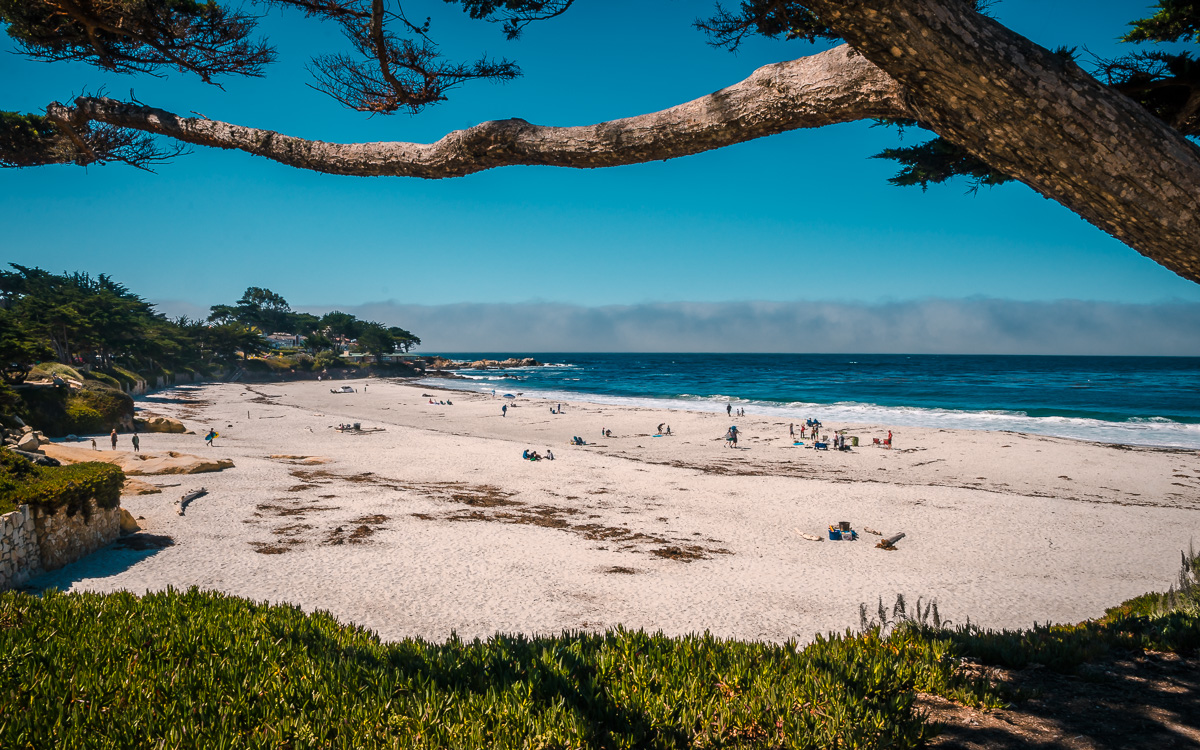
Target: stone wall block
point(32, 541)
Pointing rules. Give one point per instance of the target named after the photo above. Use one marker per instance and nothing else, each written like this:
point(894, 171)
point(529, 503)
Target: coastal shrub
point(11, 405)
point(50, 369)
point(114, 406)
point(102, 377)
point(1064, 648)
point(327, 359)
point(1184, 594)
point(202, 669)
point(127, 379)
point(57, 487)
point(83, 419)
point(267, 364)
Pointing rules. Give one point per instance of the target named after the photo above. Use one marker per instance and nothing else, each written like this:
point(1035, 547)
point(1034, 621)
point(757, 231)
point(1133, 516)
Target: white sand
point(1005, 528)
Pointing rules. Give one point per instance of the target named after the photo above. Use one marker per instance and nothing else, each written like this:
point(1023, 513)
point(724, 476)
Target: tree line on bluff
point(77, 319)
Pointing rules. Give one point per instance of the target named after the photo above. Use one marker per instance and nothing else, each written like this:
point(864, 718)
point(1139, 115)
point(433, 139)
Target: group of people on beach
point(137, 441)
point(664, 432)
point(730, 413)
point(534, 456)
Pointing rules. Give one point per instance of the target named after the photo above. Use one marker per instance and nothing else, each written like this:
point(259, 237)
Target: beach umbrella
point(509, 395)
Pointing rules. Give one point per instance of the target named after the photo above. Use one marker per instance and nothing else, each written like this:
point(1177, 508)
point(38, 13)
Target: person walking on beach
point(136, 443)
point(504, 410)
point(210, 437)
point(113, 436)
point(728, 410)
point(792, 431)
point(94, 445)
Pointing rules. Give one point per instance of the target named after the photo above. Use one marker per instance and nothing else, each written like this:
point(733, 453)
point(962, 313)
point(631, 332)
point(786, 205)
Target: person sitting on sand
point(608, 433)
point(549, 455)
point(533, 456)
point(525, 454)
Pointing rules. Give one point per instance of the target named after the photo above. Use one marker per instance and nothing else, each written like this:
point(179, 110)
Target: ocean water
point(1132, 400)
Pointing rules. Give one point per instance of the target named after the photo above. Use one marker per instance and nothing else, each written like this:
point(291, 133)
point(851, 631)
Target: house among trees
point(285, 340)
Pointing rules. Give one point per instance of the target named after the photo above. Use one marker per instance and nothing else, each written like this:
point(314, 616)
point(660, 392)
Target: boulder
point(138, 487)
point(155, 423)
point(128, 525)
point(37, 458)
point(28, 442)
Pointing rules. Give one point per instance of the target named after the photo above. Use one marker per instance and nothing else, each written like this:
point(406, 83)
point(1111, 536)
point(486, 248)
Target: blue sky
point(797, 217)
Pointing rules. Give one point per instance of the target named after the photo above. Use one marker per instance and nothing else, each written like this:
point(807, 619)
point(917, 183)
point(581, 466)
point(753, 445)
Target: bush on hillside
point(83, 419)
point(102, 377)
point(65, 411)
point(57, 487)
point(327, 359)
point(47, 370)
point(114, 406)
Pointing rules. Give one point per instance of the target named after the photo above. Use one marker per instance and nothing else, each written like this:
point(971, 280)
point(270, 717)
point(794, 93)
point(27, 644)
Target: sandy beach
point(434, 524)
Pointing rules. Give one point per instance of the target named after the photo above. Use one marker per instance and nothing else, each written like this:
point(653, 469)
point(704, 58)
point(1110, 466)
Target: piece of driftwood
point(869, 530)
point(809, 537)
point(190, 496)
point(890, 542)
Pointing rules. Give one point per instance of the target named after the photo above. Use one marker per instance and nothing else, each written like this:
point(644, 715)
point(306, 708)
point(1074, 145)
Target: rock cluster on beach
point(441, 363)
point(491, 364)
point(155, 423)
point(26, 438)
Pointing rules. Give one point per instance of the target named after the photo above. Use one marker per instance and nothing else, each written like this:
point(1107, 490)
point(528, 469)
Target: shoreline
point(434, 524)
point(784, 411)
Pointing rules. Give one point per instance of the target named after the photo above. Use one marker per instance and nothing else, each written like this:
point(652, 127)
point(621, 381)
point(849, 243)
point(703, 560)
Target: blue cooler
point(835, 535)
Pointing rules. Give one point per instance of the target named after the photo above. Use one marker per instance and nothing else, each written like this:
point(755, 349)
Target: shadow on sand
point(108, 561)
point(1150, 701)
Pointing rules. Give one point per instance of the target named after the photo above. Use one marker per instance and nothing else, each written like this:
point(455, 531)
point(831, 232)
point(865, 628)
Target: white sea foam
point(1149, 431)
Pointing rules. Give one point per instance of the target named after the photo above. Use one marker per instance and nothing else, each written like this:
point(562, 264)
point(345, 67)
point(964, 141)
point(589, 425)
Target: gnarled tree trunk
point(1037, 117)
point(1013, 104)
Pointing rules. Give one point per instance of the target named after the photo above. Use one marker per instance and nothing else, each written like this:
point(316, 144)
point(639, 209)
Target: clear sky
point(792, 218)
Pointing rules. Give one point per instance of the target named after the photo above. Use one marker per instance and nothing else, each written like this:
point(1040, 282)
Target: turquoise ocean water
point(1134, 400)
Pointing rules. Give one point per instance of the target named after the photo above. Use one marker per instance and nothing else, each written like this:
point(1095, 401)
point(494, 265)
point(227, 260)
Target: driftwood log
point(190, 496)
point(890, 542)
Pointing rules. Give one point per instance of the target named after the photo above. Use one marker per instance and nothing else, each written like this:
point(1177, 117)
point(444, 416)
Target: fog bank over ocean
point(934, 326)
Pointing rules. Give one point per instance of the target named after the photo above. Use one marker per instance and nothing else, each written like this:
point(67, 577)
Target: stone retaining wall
point(19, 556)
point(32, 541)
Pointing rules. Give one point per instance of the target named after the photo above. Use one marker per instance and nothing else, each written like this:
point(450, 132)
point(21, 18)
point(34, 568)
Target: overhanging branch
point(831, 87)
